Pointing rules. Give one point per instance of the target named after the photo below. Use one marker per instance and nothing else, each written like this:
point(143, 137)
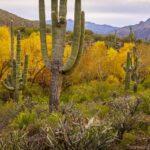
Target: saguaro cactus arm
point(18, 55)
point(81, 46)
point(62, 11)
point(128, 71)
point(12, 41)
point(43, 33)
point(25, 70)
point(54, 17)
point(10, 88)
point(76, 38)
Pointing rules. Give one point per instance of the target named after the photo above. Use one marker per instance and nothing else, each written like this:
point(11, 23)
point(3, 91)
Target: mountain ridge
point(141, 29)
point(6, 17)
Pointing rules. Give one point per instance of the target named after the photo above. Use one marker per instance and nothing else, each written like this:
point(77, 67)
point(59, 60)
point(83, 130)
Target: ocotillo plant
point(55, 65)
point(128, 70)
point(15, 82)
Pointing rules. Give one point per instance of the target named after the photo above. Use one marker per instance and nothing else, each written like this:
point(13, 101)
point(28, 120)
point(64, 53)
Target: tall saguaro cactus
point(16, 82)
point(59, 21)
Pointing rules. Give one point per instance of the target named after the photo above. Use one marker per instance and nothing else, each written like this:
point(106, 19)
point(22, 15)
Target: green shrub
point(146, 83)
point(145, 105)
point(128, 138)
point(54, 118)
point(24, 119)
point(92, 91)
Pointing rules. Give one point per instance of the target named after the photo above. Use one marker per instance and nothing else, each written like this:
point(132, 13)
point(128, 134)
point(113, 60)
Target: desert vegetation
point(73, 91)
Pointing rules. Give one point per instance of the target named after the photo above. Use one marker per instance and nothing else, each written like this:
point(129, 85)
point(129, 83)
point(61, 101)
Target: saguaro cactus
point(128, 70)
point(135, 66)
point(131, 35)
point(15, 82)
point(132, 68)
point(12, 41)
point(59, 21)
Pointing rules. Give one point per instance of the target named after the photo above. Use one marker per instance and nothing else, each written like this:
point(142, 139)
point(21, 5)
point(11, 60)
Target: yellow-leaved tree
point(4, 50)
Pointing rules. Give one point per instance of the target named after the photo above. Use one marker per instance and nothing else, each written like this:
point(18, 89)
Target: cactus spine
point(15, 82)
point(59, 22)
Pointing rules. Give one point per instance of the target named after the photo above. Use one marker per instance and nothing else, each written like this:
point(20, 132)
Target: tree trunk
point(56, 84)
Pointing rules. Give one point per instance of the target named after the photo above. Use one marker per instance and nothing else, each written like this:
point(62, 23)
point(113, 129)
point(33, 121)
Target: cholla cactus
point(55, 65)
point(15, 82)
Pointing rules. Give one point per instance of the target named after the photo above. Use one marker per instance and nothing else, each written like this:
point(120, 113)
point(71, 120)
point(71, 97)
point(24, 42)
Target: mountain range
point(141, 30)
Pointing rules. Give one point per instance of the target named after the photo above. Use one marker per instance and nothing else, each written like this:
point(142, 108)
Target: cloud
point(115, 12)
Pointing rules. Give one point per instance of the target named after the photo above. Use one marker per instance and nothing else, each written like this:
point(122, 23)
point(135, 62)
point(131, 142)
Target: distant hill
point(6, 17)
point(96, 28)
point(141, 30)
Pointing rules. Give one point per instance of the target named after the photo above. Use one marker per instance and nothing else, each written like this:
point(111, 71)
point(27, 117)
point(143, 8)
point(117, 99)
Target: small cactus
point(113, 42)
point(131, 35)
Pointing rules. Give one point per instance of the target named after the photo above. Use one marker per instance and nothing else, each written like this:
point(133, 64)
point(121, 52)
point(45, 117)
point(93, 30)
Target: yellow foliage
point(4, 44)
point(32, 47)
point(4, 49)
point(98, 62)
point(112, 80)
point(144, 52)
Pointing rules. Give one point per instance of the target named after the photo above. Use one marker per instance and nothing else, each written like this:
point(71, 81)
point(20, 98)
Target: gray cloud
point(114, 12)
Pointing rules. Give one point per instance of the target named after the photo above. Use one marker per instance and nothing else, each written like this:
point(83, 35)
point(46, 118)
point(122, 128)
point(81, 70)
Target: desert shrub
point(24, 119)
point(145, 105)
point(72, 129)
point(124, 115)
point(8, 112)
point(93, 109)
point(146, 83)
point(91, 91)
point(80, 93)
point(54, 119)
point(128, 138)
point(4, 95)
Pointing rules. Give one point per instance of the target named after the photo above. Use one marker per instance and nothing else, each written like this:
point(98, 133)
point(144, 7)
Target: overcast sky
point(113, 12)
